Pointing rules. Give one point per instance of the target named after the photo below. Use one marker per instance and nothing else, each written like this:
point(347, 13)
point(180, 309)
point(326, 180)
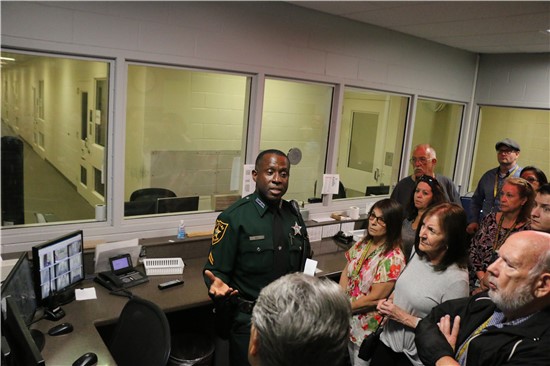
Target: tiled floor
point(47, 191)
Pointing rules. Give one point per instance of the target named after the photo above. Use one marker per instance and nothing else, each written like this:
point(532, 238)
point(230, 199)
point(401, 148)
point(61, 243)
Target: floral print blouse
point(377, 268)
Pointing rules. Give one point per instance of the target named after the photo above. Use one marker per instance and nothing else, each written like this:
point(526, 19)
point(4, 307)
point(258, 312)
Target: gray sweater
point(417, 291)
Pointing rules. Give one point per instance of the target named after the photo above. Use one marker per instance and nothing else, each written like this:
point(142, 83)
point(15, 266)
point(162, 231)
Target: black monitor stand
point(61, 298)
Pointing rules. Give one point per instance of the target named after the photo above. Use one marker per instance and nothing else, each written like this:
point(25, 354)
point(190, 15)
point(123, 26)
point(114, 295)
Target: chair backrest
point(141, 336)
point(466, 202)
point(151, 194)
point(341, 191)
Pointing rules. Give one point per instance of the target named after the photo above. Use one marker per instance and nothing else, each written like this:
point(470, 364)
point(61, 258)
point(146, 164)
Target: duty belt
point(245, 306)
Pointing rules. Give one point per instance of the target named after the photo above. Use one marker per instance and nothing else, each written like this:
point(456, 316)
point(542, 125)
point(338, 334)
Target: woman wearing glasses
point(436, 272)
point(427, 192)
point(516, 201)
point(373, 265)
point(534, 176)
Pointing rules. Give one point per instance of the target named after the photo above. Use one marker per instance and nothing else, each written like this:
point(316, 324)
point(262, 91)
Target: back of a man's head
point(300, 320)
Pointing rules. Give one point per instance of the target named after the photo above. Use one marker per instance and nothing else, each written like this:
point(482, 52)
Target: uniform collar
point(261, 205)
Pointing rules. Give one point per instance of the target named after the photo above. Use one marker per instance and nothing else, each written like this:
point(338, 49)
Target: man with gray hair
point(300, 320)
point(509, 325)
point(423, 161)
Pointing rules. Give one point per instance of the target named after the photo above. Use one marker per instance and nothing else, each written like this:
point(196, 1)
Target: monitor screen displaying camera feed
point(58, 266)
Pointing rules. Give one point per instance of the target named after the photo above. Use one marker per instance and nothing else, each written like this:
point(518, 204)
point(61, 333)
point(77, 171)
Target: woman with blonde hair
point(516, 201)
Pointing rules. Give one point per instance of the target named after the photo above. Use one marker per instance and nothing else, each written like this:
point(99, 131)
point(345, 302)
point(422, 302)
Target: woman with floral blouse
point(373, 265)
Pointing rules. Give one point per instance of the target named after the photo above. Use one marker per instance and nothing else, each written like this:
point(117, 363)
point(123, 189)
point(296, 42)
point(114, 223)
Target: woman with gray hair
point(299, 320)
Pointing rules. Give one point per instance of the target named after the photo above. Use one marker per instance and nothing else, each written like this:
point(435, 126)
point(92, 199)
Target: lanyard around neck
point(495, 189)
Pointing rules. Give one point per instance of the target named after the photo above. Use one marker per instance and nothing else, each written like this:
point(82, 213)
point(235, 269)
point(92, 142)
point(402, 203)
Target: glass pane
point(101, 110)
point(185, 136)
point(44, 114)
point(371, 139)
point(297, 115)
point(529, 127)
point(438, 124)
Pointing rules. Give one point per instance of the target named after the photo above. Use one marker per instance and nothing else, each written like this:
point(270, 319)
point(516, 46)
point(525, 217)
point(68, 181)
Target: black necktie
point(280, 248)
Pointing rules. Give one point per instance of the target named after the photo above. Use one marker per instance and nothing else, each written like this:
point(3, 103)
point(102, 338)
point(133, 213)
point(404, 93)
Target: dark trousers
point(239, 337)
point(384, 356)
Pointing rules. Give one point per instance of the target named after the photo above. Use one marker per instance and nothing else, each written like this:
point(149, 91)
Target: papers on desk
point(310, 267)
point(105, 251)
point(85, 294)
point(323, 219)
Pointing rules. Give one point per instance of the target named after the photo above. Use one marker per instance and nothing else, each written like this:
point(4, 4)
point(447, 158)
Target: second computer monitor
point(177, 204)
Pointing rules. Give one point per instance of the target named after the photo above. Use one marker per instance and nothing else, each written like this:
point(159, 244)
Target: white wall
point(514, 80)
point(273, 38)
point(260, 38)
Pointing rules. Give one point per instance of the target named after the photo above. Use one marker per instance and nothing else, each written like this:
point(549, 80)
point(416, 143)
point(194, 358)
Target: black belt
point(245, 306)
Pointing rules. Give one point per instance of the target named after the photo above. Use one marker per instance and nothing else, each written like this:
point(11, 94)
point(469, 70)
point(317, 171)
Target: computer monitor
point(177, 204)
point(19, 285)
point(377, 190)
point(136, 208)
point(23, 348)
point(58, 266)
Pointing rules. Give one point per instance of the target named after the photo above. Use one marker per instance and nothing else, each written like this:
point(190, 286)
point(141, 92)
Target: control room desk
point(87, 315)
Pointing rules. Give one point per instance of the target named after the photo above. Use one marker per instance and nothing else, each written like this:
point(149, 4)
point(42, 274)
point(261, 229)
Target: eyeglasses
point(505, 152)
point(379, 219)
point(423, 160)
point(531, 179)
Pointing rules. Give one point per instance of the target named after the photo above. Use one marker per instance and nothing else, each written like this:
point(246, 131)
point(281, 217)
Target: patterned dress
point(482, 253)
point(377, 268)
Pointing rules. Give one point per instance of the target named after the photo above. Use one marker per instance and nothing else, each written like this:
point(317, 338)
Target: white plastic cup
point(99, 212)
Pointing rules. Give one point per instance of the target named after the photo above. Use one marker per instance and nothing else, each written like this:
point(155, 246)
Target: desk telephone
point(122, 274)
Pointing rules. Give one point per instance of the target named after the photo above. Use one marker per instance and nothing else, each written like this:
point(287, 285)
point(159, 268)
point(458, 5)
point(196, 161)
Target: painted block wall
point(260, 38)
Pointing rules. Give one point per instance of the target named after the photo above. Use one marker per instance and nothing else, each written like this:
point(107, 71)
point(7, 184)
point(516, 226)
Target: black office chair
point(141, 336)
point(151, 194)
point(341, 191)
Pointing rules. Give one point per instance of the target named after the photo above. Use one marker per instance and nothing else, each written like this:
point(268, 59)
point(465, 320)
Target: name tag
point(257, 237)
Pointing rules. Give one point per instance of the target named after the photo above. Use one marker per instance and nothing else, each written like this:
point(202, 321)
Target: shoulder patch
point(219, 231)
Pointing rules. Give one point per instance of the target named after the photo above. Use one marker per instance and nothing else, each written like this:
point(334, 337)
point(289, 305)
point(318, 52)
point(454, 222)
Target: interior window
point(185, 140)
point(49, 149)
point(529, 127)
point(296, 116)
point(371, 140)
point(438, 123)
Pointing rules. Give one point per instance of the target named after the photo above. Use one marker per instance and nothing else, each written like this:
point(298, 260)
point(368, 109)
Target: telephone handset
point(111, 278)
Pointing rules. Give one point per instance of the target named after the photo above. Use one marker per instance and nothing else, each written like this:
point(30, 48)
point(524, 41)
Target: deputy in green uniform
point(258, 239)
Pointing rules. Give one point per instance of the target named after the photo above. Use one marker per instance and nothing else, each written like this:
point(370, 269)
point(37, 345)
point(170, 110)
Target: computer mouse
point(60, 329)
point(87, 359)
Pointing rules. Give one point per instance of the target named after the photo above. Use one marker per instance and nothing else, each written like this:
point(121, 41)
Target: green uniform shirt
point(242, 250)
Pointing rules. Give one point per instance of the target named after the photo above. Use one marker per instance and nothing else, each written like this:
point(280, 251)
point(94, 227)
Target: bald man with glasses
point(423, 160)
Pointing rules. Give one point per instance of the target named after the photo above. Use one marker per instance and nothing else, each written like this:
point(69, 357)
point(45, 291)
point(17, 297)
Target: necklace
point(497, 243)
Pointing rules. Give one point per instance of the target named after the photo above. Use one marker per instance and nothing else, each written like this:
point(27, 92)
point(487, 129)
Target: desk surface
point(87, 315)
